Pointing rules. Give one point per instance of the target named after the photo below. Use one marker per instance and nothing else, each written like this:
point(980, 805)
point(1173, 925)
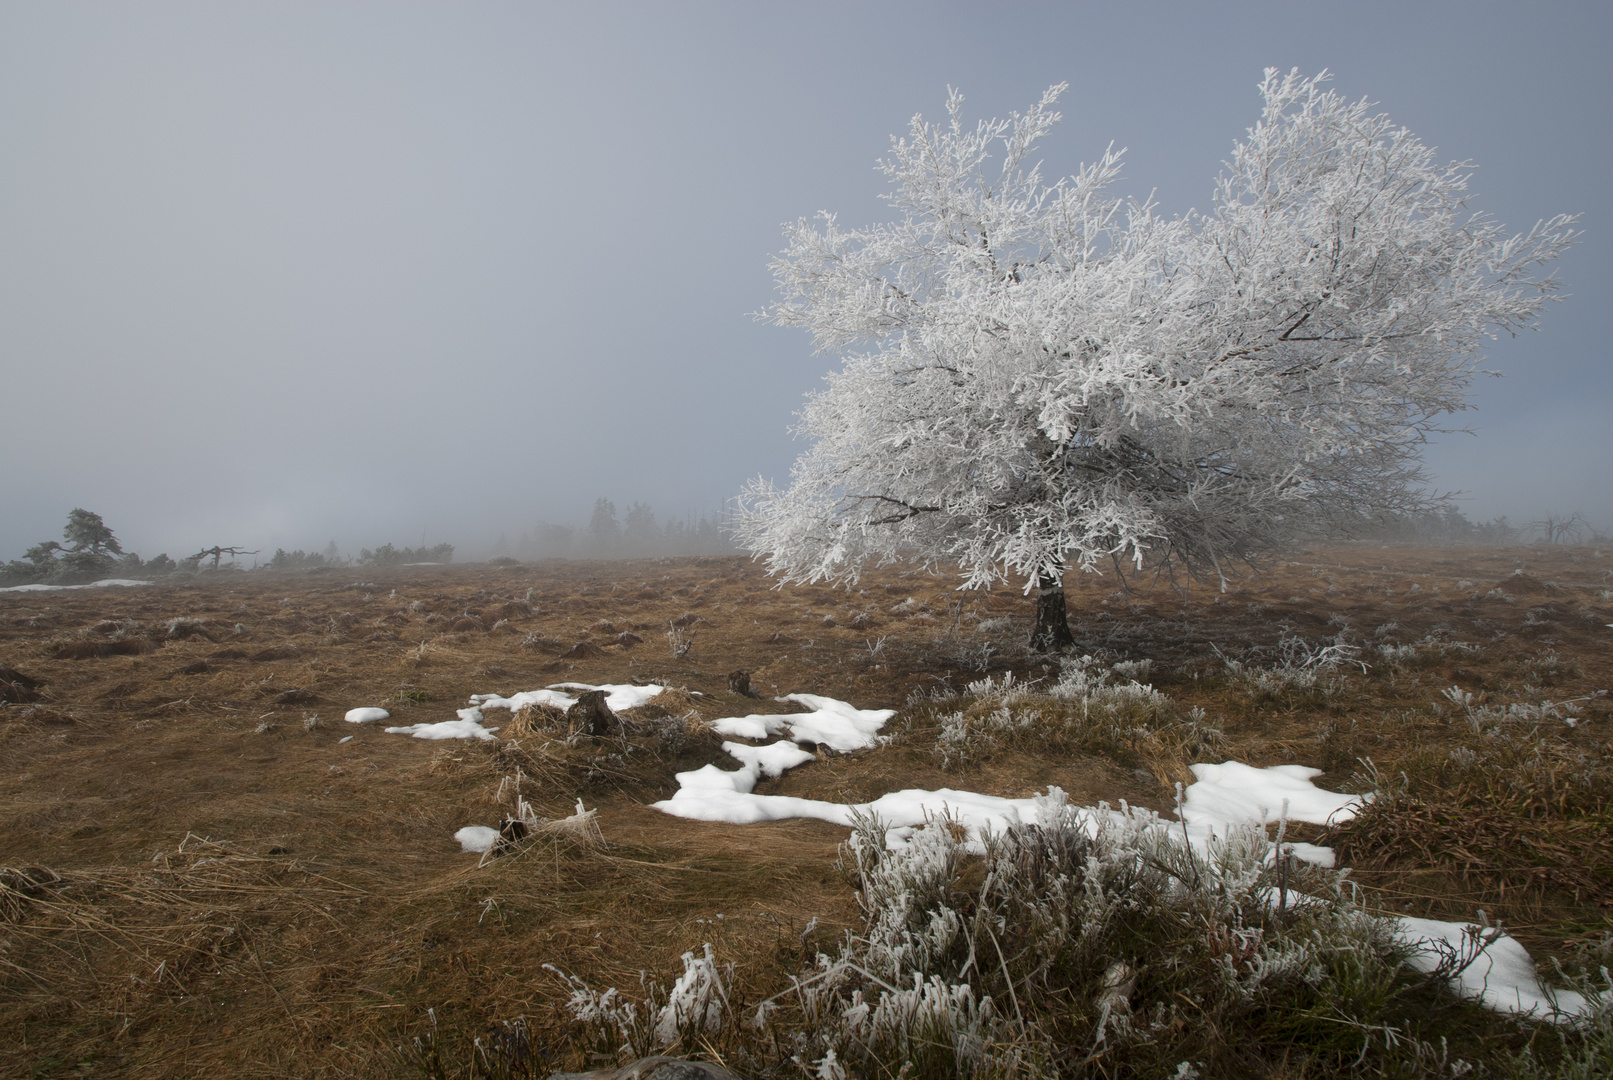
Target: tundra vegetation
point(200, 875)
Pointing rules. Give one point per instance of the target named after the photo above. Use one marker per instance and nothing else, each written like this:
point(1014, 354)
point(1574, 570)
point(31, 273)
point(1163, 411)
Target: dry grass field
point(197, 877)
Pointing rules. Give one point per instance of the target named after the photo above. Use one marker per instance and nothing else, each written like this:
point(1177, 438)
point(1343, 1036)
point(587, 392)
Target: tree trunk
point(1052, 633)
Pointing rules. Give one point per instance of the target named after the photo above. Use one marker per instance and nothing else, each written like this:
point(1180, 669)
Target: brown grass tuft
point(530, 720)
point(15, 687)
point(673, 701)
point(95, 650)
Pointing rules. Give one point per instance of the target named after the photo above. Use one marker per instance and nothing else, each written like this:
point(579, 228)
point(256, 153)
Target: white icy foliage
point(1036, 375)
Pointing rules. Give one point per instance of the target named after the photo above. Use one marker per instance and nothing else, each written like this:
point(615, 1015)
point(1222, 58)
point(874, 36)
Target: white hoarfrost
point(1040, 376)
point(1225, 801)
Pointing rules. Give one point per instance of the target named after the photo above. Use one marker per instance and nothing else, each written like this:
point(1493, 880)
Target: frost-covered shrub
point(1083, 711)
point(1132, 669)
point(1396, 655)
point(184, 626)
point(696, 1006)
point(1491, 719)
point(1085, 935)
point(1302, 669)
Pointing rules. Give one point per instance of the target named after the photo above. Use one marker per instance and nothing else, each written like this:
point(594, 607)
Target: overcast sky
point(273, 274)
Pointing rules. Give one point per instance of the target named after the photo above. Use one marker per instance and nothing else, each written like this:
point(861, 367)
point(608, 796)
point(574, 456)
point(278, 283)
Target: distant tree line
point(1451, 526)
point(635, 535)
point(91, 552)
point(305, 560)
point(385, 555)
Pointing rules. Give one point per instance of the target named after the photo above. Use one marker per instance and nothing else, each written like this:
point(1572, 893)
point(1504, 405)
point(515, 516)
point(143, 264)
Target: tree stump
point(591, 712)
point(739, 683)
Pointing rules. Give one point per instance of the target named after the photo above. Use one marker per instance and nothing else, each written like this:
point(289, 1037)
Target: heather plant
point(1087, 943)
point(1085, 711)
point(1302, 669)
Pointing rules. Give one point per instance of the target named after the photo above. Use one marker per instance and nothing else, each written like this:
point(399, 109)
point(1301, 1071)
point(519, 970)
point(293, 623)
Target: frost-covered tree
point(1043, 377)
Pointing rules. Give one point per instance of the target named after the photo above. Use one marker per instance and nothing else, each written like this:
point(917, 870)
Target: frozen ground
point(148, 726)
point(1223, 797)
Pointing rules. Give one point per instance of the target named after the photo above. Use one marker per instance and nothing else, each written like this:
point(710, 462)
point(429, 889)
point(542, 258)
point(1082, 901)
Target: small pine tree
point(87, 532)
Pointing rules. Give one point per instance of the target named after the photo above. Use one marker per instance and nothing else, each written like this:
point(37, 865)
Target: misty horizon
point(277, 276)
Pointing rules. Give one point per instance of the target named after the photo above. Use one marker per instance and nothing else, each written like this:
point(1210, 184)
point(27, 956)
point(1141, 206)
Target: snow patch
point(92, 585)
point(1501, 975)
point(366, 715)
point(1233, 793)
point(619, 696)
point(773, 760)
point(471, 722)
point(468, 726)
point(713, 794)
point(477, 838)
point(832, 723)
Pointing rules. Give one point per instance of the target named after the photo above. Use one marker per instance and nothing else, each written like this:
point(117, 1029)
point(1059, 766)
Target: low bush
point(1092, 943)
point(1084, 712)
